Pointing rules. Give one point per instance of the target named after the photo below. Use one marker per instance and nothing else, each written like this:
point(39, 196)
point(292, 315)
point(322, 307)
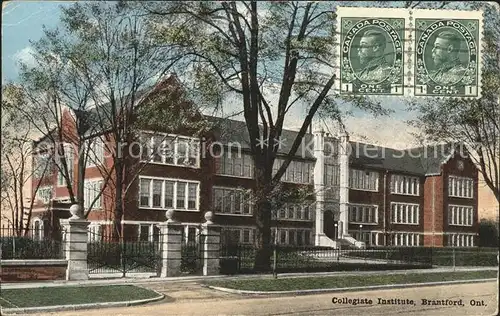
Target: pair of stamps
point(401, 52)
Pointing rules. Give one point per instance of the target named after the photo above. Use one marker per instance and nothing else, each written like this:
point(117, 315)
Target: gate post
point(211, 246)
point(75, 245)
point(171, 257)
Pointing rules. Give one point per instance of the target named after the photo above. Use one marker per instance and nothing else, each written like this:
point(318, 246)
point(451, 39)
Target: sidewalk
point(215, 277)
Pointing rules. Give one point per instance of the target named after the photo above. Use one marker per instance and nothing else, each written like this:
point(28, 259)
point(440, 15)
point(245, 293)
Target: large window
point(95, 233)
point(291, 236)
point(363, 180)
point(44, 194)
point(294, 211)
point(332, 175)
point(91, 190)
point(235, 164)
point(235, 236)
point(405, 213)
point(369, 238)
point(162, 193)
point(405, 239)
point(460, 240)
point(69, 157)
point(297, 171)
point(171, 150)
point(460, 215)
point(43, 165)
point(232, 201)
point(460, 187)
point(363, 214)
point(95, 152)
point(405, 185)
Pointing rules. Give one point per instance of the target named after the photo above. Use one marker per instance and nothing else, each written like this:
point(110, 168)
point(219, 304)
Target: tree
point(488, 233)
point(17, 173)
point(251, 50)
point(102, 64)
point(475, 124)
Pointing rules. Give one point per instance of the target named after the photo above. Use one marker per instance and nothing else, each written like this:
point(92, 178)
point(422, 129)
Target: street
point(191, 299)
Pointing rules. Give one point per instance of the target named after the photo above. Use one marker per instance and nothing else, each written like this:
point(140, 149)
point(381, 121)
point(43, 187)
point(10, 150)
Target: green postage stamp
point(371, 59)
point(447, 54)
point(409, 52)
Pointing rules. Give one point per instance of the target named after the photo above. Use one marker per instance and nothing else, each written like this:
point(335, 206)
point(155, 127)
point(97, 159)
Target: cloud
point(25, 56)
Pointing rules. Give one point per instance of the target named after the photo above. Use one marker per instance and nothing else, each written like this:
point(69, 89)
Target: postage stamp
point(371, 53)
point(371, 59)
point(409, 52)
point(447, 54)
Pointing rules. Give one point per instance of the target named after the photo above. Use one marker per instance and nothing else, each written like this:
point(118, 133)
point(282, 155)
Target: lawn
point(307, 283)
point(72, 295)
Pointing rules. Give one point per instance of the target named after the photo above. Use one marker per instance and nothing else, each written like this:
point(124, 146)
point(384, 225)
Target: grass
point(72, 295)
point(290, 284)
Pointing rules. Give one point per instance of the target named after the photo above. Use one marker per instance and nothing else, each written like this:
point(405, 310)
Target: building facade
point(361, 193)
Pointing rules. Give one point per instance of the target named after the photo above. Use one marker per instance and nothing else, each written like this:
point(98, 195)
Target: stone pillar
point(344, 152)
point(171, 246)
point(75, 245)
point(319, 185)
point(211, 246)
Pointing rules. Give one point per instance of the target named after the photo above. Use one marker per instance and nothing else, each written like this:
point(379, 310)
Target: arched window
point(37, 229)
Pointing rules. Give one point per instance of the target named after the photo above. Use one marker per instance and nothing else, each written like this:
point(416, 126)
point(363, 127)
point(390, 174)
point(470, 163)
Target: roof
point(425, 160)
point(232, 131)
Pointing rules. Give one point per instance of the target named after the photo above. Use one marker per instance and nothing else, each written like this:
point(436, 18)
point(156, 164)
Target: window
point(369, 238)
point(168, 194)
point(169, 149)
point(363, 214)
point(235, 164)
point(332, 175)
point(37, 229)
point(297, 171)
point(237, 235)
point(95, 233)
point(232, 201)
point(460, 187)
point(44, 194)
point(460, 240)
point(405, 185)
point(363, 180)
point(43, 165)
point(144, 232)
point(69, 158)
point(405, 239)
point(460, 215)
point(91, 190)
point(405, 213)
point(290, 236)
point(294, 211)
point(95, 154)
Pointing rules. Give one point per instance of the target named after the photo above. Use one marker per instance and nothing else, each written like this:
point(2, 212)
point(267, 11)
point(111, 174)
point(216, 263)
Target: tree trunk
point(263, 220)
point(81, 182)
point(118, 214)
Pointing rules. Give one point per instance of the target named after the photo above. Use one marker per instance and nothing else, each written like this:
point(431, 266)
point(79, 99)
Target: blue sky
point(22, 21)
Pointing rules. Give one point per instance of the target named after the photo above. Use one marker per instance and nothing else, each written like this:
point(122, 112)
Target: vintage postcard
point(250, 158)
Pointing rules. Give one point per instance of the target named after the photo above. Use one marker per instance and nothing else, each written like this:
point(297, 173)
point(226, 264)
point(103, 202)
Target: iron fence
point(122, 255)
point(30, 244)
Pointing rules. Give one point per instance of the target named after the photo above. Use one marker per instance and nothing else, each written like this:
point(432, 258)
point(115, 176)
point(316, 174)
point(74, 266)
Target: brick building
point(361, 193)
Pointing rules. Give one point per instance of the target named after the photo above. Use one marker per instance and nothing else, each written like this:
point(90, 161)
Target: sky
point(22, 22)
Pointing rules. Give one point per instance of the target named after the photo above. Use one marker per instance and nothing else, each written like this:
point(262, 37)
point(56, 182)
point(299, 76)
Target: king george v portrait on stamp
point(447, 57)
point(372, 56)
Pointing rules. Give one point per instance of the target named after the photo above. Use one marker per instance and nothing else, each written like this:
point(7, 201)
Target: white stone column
point(319, 185)
point(75, 245)
point(211, 246)
point(344, 151)
point(171, 243)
